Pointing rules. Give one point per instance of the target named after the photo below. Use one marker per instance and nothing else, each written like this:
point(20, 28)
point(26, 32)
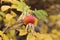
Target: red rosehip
point(29, 19)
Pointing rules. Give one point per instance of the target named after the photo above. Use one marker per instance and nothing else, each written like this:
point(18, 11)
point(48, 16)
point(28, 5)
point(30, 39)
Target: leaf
point(40, 14)
point(58, 16)
point(0, 38)
point(4, 37)
point(11, 34)
point(43, 29)
point(37, 14)
point(9, 16)
point(43, 36)
point(55, 31)
point(5, 8)
point(43, 12)
point(22, 31)
point(9, 20)
point(30, 36)
point(0, 18)
point(2, 14)
point(7, 1)
point(13, 14)
point(53, 18)
point(20, 5)
point(55, 37)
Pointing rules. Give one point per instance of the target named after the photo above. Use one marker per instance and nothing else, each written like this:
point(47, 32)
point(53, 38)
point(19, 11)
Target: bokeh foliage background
point(47, 19)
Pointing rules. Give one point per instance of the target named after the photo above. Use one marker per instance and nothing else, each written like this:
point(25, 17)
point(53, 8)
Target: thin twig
point(9, 27)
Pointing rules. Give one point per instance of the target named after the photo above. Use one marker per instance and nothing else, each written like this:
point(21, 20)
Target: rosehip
point(29, 19)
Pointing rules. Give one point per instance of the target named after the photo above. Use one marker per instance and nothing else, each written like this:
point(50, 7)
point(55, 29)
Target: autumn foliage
point(19, 22)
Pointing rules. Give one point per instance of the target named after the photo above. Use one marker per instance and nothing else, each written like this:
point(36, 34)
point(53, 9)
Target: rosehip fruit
point(29, 19)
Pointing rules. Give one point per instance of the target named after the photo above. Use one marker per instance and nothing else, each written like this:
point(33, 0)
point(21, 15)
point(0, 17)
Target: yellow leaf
point(4, 36)
point(15, 7)
point(9, 20)
point(22, 31)
point(43, 29)
point(30, 37)
point(48, 37)
point(43, 37)
point(54, 31)
point(4, 8)
point(9, 0)
point(8, 17)
point(13, 14)
point(58, 16)
point(55, 37)
point(53, 18)
point(0, 38)
point(0, 18)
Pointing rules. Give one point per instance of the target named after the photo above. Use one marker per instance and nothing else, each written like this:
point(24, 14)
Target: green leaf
point(40, 14)
point(36, 14)
point(20, 5)
point(43, 12)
